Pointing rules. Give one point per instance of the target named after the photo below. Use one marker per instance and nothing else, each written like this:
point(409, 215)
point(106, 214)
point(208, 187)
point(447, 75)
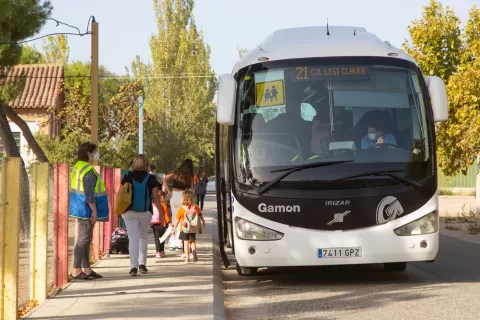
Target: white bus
point(326, 153)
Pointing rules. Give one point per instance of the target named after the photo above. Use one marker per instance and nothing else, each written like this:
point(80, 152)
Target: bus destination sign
point(346, 72)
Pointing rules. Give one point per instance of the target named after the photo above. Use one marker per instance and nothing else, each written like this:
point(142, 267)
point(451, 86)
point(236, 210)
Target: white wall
point(26, 154)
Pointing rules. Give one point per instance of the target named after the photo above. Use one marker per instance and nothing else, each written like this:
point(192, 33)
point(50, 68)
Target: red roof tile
point(42, 87)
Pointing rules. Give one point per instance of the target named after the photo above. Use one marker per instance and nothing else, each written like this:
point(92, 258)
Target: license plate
point(340, 253)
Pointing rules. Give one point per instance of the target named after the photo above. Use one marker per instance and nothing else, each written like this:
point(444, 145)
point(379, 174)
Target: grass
point(474, 228)
point(448, 192)
point(462, 217)
point(445, 192)
point(449, 219)
point(468, 217)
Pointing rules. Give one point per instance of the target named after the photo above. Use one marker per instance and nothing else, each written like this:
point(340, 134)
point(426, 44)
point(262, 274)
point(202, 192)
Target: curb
point(219, 312)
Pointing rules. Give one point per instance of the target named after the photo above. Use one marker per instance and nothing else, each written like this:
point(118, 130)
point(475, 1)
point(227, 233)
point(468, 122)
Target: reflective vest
point(78, 208)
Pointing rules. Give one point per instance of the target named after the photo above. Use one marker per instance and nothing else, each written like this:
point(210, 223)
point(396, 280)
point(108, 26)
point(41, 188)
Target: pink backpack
point(155, 216)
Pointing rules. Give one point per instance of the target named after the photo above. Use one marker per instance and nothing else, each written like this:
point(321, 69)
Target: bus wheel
point(246, 271)
point(395, 267)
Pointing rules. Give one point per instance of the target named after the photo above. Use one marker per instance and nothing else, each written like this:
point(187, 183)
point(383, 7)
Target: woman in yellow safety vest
point(89, 204)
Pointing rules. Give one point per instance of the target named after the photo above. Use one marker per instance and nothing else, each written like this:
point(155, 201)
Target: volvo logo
point(337, 203)
point(262, 207)
point(338, 217)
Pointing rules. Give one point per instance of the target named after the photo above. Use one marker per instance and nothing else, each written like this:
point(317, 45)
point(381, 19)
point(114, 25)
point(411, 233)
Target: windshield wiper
point(389, 173)
point(297, 168)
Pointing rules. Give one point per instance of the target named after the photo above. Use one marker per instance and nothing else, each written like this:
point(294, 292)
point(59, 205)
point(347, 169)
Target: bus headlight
point(425, 225)
point(247, 230)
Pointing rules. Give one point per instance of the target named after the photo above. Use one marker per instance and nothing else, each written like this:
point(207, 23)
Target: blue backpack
point(141, 195)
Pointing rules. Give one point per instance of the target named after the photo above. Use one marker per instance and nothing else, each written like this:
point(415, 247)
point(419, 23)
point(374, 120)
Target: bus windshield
point(372, 114)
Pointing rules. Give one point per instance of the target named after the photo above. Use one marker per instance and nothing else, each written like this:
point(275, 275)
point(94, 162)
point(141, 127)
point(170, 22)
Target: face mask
point(96, 156)
point(372, 136)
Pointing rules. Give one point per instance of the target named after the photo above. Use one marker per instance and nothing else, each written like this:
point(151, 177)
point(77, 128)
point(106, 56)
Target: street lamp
point(140, 124)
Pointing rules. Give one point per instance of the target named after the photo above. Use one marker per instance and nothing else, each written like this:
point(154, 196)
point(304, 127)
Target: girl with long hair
point(181, 180)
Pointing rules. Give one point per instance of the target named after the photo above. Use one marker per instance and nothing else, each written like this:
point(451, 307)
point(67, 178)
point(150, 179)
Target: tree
point(471, 39)
point(114, 153)
point(17, 24)
point(457, 62)
point(118, 115)
point(56, 49)
point(458, 65)
point(117, 130)
point(118, 121)
point(458, 141)
point(435, 42)
point(30, 55)
point(179, 88)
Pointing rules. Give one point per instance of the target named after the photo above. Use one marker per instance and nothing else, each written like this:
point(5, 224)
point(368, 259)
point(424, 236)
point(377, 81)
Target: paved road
point(446, 289)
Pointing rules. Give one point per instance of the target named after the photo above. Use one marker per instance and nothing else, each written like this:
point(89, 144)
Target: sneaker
point(143, 269)
point(133, 272)
point(195, 258)
point(158, 255)
point(162, 254)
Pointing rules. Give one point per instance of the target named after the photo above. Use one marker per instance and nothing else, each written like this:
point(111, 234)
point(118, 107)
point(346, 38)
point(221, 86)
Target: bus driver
point(376, 137)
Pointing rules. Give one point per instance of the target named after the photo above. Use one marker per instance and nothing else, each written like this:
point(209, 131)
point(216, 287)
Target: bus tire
point(395, 267)
point(246, 271)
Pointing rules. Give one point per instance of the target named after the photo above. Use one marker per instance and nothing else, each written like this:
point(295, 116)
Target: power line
point(111, 78)
point(44, 77)
point(92, 18)
point(52, 19)
point(159, 77)
point(47, 35)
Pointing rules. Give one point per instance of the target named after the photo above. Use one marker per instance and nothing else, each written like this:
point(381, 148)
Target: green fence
point(459, 181)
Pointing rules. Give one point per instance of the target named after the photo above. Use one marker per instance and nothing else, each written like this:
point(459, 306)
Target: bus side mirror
point(227, 89)
point(439, 98)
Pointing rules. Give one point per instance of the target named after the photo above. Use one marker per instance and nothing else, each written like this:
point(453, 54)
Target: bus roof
point(312, 42)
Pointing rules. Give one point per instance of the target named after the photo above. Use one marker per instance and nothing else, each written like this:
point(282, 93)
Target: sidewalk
point(170, 290)
point(452, 205)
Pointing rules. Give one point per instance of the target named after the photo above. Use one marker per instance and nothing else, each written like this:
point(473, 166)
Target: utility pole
point(94, 82)
point(140, 125)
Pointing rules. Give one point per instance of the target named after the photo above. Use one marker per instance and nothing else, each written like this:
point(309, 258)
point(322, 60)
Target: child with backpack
point(189, 216)
point(159, 227)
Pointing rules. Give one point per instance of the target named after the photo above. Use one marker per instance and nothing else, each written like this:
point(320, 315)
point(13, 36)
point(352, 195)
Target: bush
point(445, 192)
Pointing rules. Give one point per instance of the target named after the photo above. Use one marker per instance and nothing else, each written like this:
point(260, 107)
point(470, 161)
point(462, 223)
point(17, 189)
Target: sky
point(125, 26)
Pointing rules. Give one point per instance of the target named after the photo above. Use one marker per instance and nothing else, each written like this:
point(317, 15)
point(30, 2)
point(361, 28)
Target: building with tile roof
point(43, 91)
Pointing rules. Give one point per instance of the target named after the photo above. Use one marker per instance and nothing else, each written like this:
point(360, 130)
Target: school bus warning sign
point(270, 93)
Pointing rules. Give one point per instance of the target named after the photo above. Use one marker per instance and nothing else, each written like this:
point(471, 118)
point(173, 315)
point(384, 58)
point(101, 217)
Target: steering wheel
point(383, 145)
point(273, 145)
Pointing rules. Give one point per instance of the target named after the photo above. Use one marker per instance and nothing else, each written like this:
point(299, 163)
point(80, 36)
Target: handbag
point(124, 198)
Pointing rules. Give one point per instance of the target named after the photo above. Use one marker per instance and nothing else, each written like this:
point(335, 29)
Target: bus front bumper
point(308, 248)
